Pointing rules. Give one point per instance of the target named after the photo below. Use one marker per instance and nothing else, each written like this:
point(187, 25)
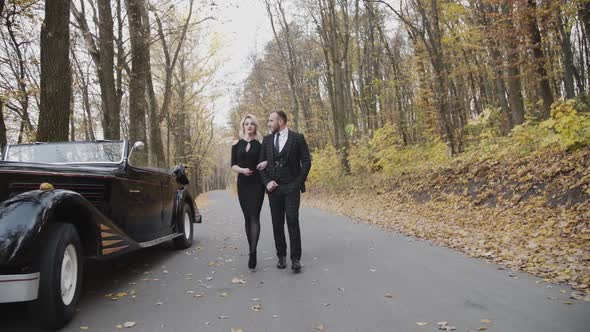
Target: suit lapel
point(270, 154)
point(288, 144)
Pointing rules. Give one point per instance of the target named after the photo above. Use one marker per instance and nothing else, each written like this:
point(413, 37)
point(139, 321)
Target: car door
point(169, 191)
point(144, 218)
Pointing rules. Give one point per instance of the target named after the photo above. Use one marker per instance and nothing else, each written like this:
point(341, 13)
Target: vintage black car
point(63, 203)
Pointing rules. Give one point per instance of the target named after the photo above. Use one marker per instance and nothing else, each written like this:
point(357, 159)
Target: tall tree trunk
point(155, 144)
point(21, 75)
point(567, 55)
point(56, 79)
point(111, 109)
point(513, 70)
point(287, 55)
point(121, 62)
point(137, 79)
point(540, 61)
point(3, 140)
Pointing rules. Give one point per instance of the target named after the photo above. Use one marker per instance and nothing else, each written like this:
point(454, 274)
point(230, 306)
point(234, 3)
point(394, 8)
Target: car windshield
point(59, 153)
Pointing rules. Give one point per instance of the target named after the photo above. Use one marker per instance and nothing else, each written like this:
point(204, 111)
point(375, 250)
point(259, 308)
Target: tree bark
point(539, 58)
point(3, 140)
point(512, 67)
point(111, 109)
point(56, 79)
point(566, 54)
point(137, 79)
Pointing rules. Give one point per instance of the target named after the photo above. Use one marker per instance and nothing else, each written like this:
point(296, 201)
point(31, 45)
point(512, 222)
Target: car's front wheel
point(60, 265)
point(185, 226)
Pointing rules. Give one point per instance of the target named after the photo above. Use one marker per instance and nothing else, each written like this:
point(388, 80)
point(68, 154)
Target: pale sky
point(245, 29)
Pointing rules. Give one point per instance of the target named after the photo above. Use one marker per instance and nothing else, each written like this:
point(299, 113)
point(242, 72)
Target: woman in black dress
point(244, 158)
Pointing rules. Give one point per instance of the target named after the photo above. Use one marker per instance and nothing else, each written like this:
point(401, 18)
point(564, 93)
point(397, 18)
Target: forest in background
point(116, 69)
point(386, 83)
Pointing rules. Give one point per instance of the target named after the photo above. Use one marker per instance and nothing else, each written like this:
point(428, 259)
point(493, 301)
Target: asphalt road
point(355, 277)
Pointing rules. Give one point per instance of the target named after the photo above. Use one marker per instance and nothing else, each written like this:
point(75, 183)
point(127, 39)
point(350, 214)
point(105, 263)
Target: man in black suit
point(289, 163)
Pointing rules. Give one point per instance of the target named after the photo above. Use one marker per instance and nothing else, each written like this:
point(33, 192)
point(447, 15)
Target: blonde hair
point(254, 121)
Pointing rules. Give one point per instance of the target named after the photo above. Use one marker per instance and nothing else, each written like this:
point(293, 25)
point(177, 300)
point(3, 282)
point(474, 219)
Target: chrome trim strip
point(19, 287)
point(158, 241)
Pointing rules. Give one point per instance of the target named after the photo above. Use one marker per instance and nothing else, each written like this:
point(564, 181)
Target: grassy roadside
point(525, 212)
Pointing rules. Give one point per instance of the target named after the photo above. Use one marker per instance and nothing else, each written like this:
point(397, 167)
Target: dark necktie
point(277, 150)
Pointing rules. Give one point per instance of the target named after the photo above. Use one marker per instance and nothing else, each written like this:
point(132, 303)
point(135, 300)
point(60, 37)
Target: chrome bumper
point(19, 287)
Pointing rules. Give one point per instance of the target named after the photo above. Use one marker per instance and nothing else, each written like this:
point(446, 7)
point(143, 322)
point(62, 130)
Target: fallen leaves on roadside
point(237, 280)
point(486, 321)
point(527, 213)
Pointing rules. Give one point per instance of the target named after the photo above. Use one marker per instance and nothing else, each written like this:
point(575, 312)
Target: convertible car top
point(63, 203)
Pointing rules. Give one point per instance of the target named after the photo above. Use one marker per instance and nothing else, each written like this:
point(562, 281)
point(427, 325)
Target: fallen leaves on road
point(237, 280)
point(444, 325)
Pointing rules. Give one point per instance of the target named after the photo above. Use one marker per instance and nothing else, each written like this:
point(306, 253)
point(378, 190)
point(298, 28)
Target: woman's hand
point(262, 165)
point(246, 171)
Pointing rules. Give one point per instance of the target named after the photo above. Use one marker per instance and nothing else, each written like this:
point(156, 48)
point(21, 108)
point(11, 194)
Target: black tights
point(253, 231)
point(251, 196)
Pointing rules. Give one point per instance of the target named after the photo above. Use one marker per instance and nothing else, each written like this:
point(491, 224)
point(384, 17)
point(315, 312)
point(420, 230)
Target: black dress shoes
point(282, 263)
point(296, 265)
point(252, 261)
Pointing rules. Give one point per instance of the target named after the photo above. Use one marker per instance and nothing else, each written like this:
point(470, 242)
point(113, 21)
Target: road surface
point(355, 277)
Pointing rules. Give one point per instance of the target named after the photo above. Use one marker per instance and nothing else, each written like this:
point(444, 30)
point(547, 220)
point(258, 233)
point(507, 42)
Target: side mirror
point(180, 175)
point(139, 146)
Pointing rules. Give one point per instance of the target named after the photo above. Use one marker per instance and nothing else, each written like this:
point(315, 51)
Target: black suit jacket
point(298, 159)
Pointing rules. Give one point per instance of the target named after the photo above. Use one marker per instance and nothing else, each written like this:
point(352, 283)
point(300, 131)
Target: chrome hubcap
point(187, 226)
point(69, 274)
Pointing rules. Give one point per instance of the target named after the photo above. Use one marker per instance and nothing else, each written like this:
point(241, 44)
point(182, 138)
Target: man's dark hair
point(282, 115)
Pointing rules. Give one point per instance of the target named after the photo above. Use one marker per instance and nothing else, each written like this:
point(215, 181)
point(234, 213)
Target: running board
point(158, 241)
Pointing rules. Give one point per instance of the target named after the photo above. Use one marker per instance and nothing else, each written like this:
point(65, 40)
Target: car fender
point(23, 220)
point(183, 195)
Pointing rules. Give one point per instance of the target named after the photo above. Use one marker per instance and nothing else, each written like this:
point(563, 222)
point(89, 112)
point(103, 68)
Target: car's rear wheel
point(60, 264)
point(185, 226)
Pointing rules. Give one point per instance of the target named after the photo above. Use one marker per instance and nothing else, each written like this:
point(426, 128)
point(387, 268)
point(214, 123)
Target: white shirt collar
point(284, 132)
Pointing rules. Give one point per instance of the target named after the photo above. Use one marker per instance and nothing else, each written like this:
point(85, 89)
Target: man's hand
point(262, 165)
point(247, 171)
point(271, 186)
